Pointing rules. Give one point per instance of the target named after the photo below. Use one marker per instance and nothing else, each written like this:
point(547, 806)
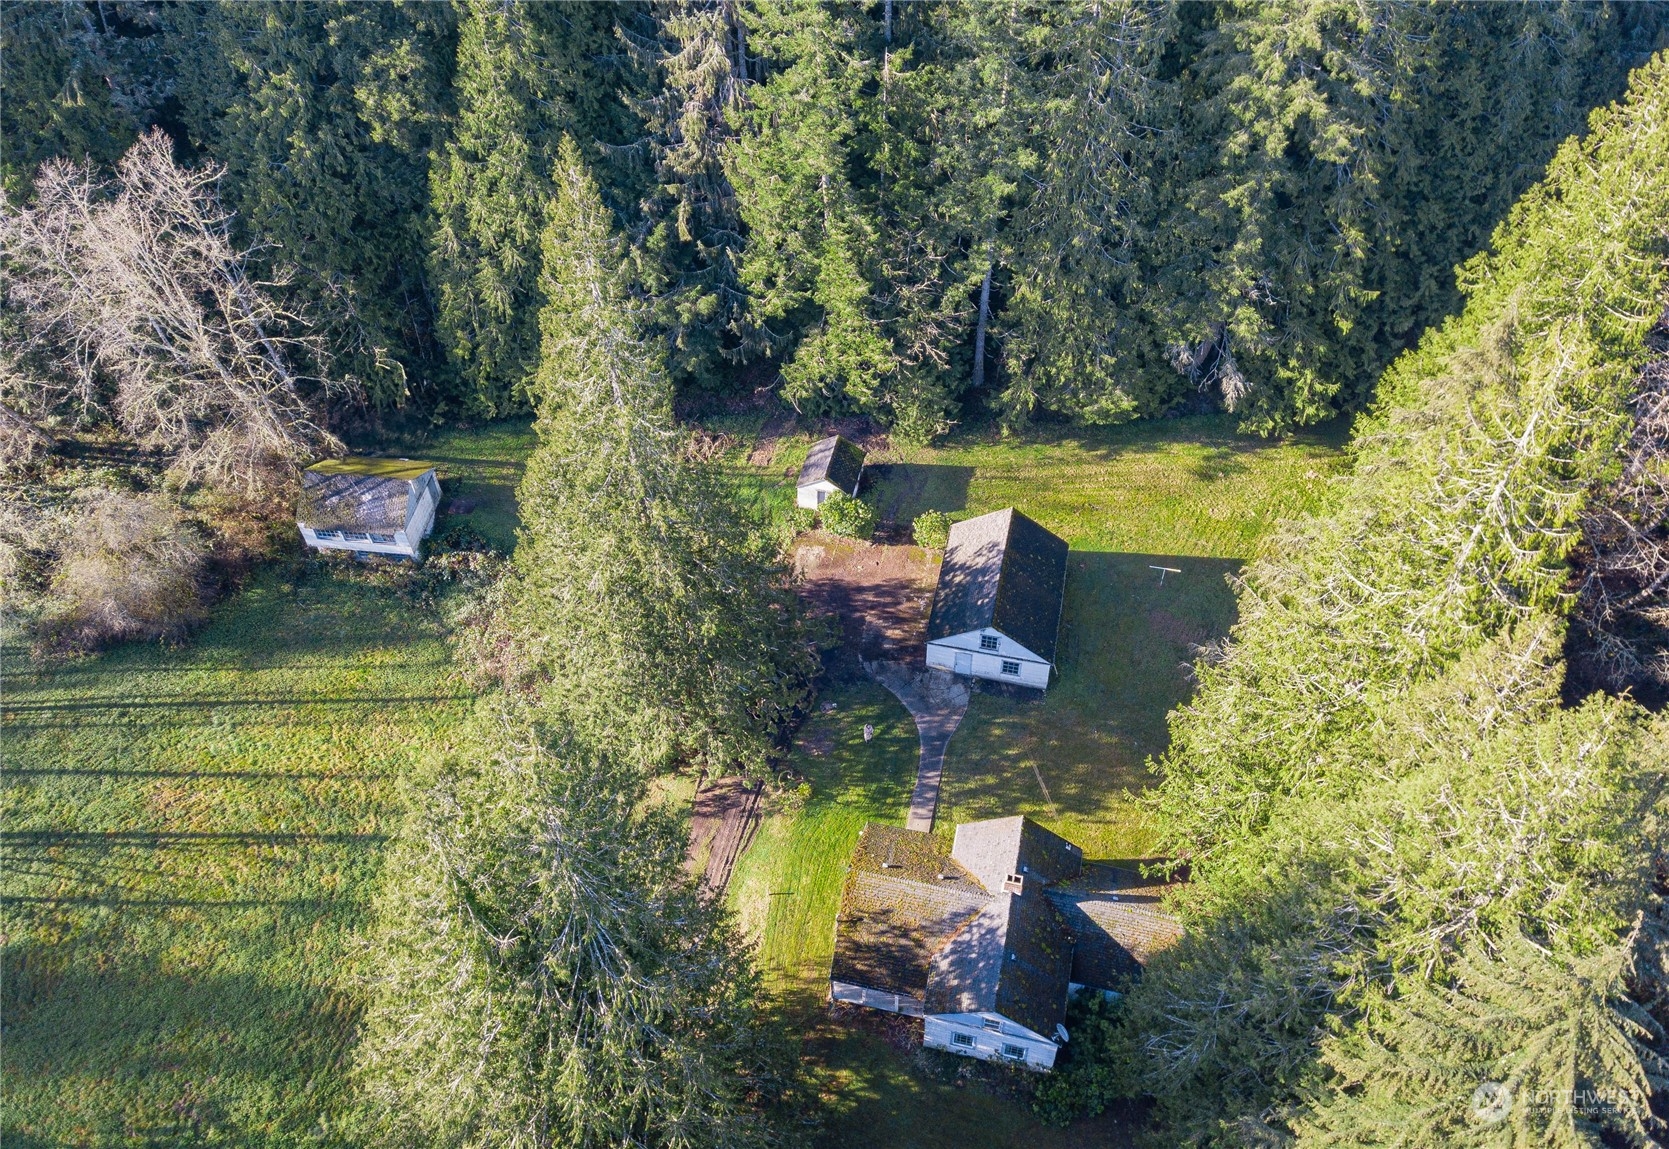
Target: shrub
point(129, 569)
point(932, 529)
point(848, 517)
point(796, 522)
point(1092, 1068)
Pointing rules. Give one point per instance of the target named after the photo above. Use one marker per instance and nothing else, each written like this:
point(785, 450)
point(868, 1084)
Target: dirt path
point(722, 825)
point(937, 700)
point(881, 594)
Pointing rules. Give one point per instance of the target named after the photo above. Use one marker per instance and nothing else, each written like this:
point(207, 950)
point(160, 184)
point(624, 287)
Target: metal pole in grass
point(1163, 571)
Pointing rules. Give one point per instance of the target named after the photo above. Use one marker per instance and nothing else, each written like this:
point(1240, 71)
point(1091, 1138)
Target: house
point(997, 608)
point(368, 506)
point(833, 464)
point(986, 943)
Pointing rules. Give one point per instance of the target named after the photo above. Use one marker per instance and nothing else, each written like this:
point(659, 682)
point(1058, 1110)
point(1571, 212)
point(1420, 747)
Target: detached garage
point(997, 609)
point(368, 506)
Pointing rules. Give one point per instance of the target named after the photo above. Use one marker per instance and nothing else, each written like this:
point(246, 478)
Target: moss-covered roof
point(375, 468)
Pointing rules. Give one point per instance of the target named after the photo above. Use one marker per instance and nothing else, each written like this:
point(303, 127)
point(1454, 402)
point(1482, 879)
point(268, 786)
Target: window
point(962, 1040)
point(1014, 1052)
point(988, 642)
point(327, 534)
point(1010, 667)
point(355, 536)
point(993, 1025)
point(376, 538)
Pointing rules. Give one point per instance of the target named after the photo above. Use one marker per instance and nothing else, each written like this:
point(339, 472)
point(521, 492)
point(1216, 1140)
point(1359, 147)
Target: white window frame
point(1014, 1052)
point(1011, 667)
point(990, 642)
point(962, 1040)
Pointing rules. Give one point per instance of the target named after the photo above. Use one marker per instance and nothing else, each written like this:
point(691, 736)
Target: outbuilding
point(368, 506)
point(997, 608)
point(833, 464)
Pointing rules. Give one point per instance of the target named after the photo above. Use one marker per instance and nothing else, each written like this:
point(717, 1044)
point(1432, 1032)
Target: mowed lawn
point(1189, 495)
point(1186, 495)
point(192, 837)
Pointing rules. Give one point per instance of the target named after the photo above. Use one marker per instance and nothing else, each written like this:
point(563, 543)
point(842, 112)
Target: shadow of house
point(901, 491)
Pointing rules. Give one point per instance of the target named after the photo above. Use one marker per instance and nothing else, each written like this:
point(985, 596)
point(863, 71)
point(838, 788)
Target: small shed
point(833, 464)
point(997, 608)
point(368, 506)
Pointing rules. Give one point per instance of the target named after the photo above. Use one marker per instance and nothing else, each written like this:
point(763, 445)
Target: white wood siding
point(940, 1030)
point(400, 545)
point(812, 494)
point(983, 663)
point(875, 998)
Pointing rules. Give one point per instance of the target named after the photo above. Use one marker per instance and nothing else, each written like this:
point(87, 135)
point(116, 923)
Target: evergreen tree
point(1376, 773)
point(646, 610)
point(324, 115)
point(81, 81)
point(543, 973)
point(525, 74)
point(699, 61)
point(1519, 1047)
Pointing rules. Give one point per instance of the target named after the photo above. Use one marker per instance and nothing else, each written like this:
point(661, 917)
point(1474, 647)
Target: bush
point(796, 522)
point(1092, 1068)
point(932, 529)
point(848, 517)
point(130, 568)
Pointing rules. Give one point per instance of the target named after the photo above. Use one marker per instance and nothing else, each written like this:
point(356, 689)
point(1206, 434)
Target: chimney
point(1015, 884)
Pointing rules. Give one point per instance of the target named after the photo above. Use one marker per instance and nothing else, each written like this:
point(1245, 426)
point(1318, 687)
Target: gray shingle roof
point(361, 494)
point(1002, 571)
point(1115, 916)
point(941, 927)
point(834, 459)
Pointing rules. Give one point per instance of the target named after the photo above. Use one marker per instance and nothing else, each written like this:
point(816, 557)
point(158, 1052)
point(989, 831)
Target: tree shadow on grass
point(131, 1053)
point(901, 491)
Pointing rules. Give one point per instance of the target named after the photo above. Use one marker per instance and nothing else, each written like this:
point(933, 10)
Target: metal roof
point(359, 494)
point(836, 460)
point(1005, 572)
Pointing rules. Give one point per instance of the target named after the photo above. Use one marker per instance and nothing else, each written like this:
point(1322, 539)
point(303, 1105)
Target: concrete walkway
point(936, 699)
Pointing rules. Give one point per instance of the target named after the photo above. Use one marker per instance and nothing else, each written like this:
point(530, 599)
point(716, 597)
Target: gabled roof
point(360, 494)
point(833, 459)
point(1115, 916)
point(993, 849)
point(1005, 572)
point(896, 911)
point(1014, 958)
point(942, 927)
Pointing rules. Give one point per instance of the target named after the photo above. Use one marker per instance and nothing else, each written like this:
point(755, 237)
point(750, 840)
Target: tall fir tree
point(324, 115)
point(525, 75)
point(646, 609)
point(542, 972)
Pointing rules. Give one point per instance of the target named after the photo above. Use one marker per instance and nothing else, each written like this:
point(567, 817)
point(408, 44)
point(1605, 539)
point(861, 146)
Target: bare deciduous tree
point(136, 306)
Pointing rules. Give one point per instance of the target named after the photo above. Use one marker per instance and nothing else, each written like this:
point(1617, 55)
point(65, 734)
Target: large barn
point(832, 465)
point(368, 506)
point(997, 608)
point(987, 943)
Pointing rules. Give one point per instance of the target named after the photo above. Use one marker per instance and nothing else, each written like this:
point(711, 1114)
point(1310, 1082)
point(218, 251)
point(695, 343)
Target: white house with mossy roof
point(997, 607)
point(368, 506)
point(986, 943)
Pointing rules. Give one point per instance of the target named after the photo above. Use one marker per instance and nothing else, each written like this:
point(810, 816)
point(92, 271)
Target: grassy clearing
point(477, 468)
point(192, 837)
point(1187, 494)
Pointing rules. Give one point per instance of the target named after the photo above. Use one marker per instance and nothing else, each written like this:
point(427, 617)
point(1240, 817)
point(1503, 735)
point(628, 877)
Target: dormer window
point(993, 1024)
point(989, 642)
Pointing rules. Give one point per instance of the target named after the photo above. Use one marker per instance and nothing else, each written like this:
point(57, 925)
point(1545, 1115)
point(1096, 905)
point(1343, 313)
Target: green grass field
point(192, 837)
point(1186, 494)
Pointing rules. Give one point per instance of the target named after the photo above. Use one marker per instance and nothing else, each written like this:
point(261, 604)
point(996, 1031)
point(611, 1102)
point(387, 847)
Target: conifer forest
point(1349, 317)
